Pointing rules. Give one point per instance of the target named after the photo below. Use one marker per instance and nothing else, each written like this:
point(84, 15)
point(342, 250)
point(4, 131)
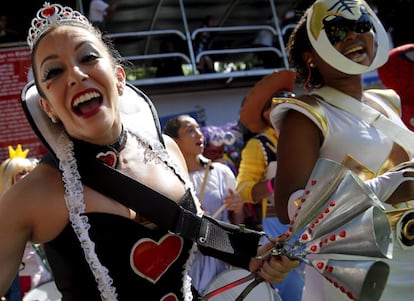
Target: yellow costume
point(257, 165)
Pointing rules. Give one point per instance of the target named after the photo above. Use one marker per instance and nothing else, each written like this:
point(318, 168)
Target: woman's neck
point(193, 163)
point(351, 86)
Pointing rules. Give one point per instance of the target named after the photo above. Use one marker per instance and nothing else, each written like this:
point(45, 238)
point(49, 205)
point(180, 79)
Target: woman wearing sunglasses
point(333, 44)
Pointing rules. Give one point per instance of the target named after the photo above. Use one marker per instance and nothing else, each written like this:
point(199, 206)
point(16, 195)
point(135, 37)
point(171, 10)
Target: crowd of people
point(191, 206)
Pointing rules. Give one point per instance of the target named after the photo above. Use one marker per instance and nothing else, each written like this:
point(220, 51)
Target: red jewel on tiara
point(49, 11)
point(53, 14)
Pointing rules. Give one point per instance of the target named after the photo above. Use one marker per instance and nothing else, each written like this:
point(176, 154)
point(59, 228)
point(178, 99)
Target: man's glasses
point(337, 28)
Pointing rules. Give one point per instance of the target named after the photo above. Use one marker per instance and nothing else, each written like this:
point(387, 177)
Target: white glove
point(385, 185)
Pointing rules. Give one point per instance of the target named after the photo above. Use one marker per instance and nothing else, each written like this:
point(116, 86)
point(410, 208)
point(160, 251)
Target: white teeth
point(354, 49)
point(85, 97)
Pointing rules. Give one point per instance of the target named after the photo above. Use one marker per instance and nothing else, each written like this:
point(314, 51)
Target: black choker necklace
point(110, 155)
point(105, 153)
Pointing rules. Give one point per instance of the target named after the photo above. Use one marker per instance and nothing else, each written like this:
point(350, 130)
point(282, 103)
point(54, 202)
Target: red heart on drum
point(151, 259)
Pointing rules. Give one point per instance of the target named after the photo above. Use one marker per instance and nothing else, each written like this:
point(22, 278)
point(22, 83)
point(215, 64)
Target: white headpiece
point(52, 15)
point(351, 10)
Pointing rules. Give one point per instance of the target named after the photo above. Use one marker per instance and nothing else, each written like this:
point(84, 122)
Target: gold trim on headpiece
point(18, 152)
point(52, 15)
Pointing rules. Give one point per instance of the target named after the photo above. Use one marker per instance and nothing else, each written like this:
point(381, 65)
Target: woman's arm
point(252, 170)
point(14, 233)
point(298, 150)
point(32, 210)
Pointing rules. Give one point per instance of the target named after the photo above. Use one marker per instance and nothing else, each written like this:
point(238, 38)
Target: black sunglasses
point(337, 28)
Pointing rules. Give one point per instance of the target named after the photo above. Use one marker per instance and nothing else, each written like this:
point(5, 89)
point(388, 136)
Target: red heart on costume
point(108, 157)
point(151, 259)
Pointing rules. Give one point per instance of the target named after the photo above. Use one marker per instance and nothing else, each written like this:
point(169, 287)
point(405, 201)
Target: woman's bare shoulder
point(175, 153)
point(38, 200)
point(42, 183)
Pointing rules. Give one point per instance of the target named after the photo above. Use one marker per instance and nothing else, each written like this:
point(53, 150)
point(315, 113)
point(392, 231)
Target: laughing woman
point(334, 43)
point(111, 201)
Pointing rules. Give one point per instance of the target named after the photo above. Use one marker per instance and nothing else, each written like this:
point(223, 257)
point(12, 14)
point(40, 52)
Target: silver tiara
point(51, 15)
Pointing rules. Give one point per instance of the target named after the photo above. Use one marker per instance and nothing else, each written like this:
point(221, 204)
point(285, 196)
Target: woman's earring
point(54, 119)
point(310, 63)
point(120, 90)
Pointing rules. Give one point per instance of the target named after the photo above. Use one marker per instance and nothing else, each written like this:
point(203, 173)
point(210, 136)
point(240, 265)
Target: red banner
point(14, 127)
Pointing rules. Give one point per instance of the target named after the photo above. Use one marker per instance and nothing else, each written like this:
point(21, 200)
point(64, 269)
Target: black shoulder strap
point(230, 243)
point(223, 241)
point(167, 214)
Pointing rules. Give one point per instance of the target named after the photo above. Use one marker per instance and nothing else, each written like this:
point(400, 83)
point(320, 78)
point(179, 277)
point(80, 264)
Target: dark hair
point(297, 45)
point(266, 107)
point(173, 125)
point(113, 53)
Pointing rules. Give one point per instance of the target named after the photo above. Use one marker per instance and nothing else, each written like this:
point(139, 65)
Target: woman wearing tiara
point(111, 201)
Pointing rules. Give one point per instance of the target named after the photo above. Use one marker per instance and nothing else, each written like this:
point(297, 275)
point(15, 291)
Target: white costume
point(220, 180)
point(365, 150)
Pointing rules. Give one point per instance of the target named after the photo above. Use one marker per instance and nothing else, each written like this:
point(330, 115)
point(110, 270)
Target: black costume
point(126, 248)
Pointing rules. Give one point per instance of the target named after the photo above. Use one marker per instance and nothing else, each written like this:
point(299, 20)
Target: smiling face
point(80, 83)
point(355, 48)
point(347, 35)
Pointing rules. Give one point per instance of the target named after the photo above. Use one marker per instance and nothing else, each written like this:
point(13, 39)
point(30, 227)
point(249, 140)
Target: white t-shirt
point(220, 180)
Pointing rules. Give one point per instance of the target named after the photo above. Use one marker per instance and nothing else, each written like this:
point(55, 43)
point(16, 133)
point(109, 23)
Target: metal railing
point(132, 58)
point(233, 29)
point(149, 33)
point(187, 59)
point(189, 56)
point(238, 50)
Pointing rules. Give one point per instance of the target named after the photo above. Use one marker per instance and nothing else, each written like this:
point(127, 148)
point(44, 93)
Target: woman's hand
point(271, 268)
point(233, 202)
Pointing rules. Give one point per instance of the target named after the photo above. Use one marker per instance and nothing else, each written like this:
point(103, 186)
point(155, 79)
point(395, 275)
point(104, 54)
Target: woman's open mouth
point(87, 104)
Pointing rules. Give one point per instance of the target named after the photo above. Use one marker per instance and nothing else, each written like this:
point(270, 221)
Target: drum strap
point(230, 243)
